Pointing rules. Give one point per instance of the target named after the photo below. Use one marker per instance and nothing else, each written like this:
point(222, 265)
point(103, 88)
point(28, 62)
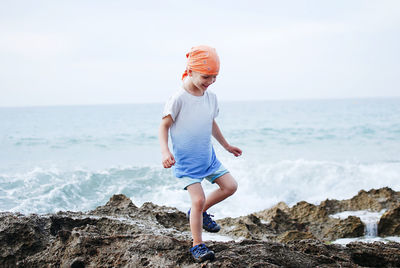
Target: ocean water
point(76, 157)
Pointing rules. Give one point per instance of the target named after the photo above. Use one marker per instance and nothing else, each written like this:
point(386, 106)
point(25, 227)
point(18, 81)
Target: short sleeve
point(172, 107)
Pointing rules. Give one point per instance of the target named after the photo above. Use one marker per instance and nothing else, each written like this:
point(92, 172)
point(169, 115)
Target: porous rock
point(119, 234)
point(304, 217)
point(389, 224)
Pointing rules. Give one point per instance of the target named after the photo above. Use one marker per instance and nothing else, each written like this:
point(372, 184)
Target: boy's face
point(202, 81)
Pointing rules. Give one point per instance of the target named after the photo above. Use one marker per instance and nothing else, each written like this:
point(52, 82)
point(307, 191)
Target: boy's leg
point(196, 213)
point(227, 187)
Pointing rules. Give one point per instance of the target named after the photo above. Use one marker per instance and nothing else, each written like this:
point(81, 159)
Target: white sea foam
point(345, 241)
point(369, 218)
point(75, 158)
point(261, 185)
point(216, 237)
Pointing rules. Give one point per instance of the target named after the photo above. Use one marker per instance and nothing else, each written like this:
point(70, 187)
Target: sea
point(74, 158)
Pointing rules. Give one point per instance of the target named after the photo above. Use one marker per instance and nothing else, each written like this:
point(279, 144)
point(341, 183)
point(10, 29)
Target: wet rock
point(268, 214)
point(373, 200)
point(305, 213)
point(249, 227)
point(167, 216)
point(78, 263)
point(375, 254)
point(281, 221)
point(346, 228)
point(331, 206)
point(119, 234)
point(294, 236)
point(389, 224)
point(325, 255)
point(315, 219)
point(304, 220)
point(268, 224)
point(118, 204)
point(64, 224)
point(21, 236)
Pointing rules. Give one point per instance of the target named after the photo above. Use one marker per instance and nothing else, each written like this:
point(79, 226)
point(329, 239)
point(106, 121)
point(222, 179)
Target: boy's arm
point(168, 159)
point(216, 132)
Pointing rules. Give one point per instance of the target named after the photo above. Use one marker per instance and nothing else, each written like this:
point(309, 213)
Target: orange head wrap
point(202, 59)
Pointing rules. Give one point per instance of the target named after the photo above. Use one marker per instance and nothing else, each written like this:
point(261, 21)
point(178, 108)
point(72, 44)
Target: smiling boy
point(189, 116)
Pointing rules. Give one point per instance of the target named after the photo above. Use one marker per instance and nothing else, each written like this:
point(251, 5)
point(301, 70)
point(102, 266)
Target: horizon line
point(220, 101)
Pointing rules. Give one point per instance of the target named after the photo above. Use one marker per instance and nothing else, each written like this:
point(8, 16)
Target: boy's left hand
point(234, 150)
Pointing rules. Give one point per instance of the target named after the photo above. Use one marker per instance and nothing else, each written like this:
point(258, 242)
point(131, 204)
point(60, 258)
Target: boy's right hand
point(168, 160)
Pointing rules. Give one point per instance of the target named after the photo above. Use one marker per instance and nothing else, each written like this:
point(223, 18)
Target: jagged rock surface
point(389, 224)
point(304, 220)
point(119, 234)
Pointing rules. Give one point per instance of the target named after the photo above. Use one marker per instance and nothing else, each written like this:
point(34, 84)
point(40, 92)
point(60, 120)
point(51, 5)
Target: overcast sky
point(103, 52)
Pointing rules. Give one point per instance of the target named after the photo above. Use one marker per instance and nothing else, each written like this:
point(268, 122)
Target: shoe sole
point(208, 256)
point(212, 231)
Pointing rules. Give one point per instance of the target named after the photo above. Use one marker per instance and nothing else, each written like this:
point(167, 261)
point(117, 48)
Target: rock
point(280, 222)
point(266, 224)
point(389, 224)
point(294, 236)
point(119, 234)
point(269, 213)
point(346, 228)
point(315, 219)
point(306, 213)
point(249, 227)
point(331, 206)
point(21, 236)
point(373, 200)
point(355, 254)
point(166, 216)
point(117, 205)
point(375, 254)
point(77, 263)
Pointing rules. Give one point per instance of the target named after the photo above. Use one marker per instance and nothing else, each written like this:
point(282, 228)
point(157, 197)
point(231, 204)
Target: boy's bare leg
point(196, 213)
point(227, 187)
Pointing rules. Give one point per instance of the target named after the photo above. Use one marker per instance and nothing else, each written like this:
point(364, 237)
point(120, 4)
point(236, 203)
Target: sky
point(111, 52)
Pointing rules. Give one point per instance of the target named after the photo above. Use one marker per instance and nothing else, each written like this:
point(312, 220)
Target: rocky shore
point(120, 234)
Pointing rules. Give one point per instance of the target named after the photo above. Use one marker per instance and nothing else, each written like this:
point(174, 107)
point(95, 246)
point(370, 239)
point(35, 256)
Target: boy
point(189, 115)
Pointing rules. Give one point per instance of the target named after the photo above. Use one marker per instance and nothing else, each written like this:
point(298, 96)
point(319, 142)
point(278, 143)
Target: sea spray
point(261, 185)
point(76, 157)
point(369, 218)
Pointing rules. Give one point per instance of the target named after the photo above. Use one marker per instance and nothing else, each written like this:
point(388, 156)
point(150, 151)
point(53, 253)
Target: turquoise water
point(76, 157)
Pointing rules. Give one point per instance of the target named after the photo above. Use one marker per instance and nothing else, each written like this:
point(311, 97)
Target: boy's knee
point(199, 202)
point(231, 188)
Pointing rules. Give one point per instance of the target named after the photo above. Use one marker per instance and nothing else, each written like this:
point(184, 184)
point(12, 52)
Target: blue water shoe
point(201, 253)
point(208, 223)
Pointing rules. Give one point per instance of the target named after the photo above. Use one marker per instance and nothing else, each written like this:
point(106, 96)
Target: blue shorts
point(187, 181)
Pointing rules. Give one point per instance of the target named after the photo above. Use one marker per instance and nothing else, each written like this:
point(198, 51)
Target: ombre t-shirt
point(191, 133)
